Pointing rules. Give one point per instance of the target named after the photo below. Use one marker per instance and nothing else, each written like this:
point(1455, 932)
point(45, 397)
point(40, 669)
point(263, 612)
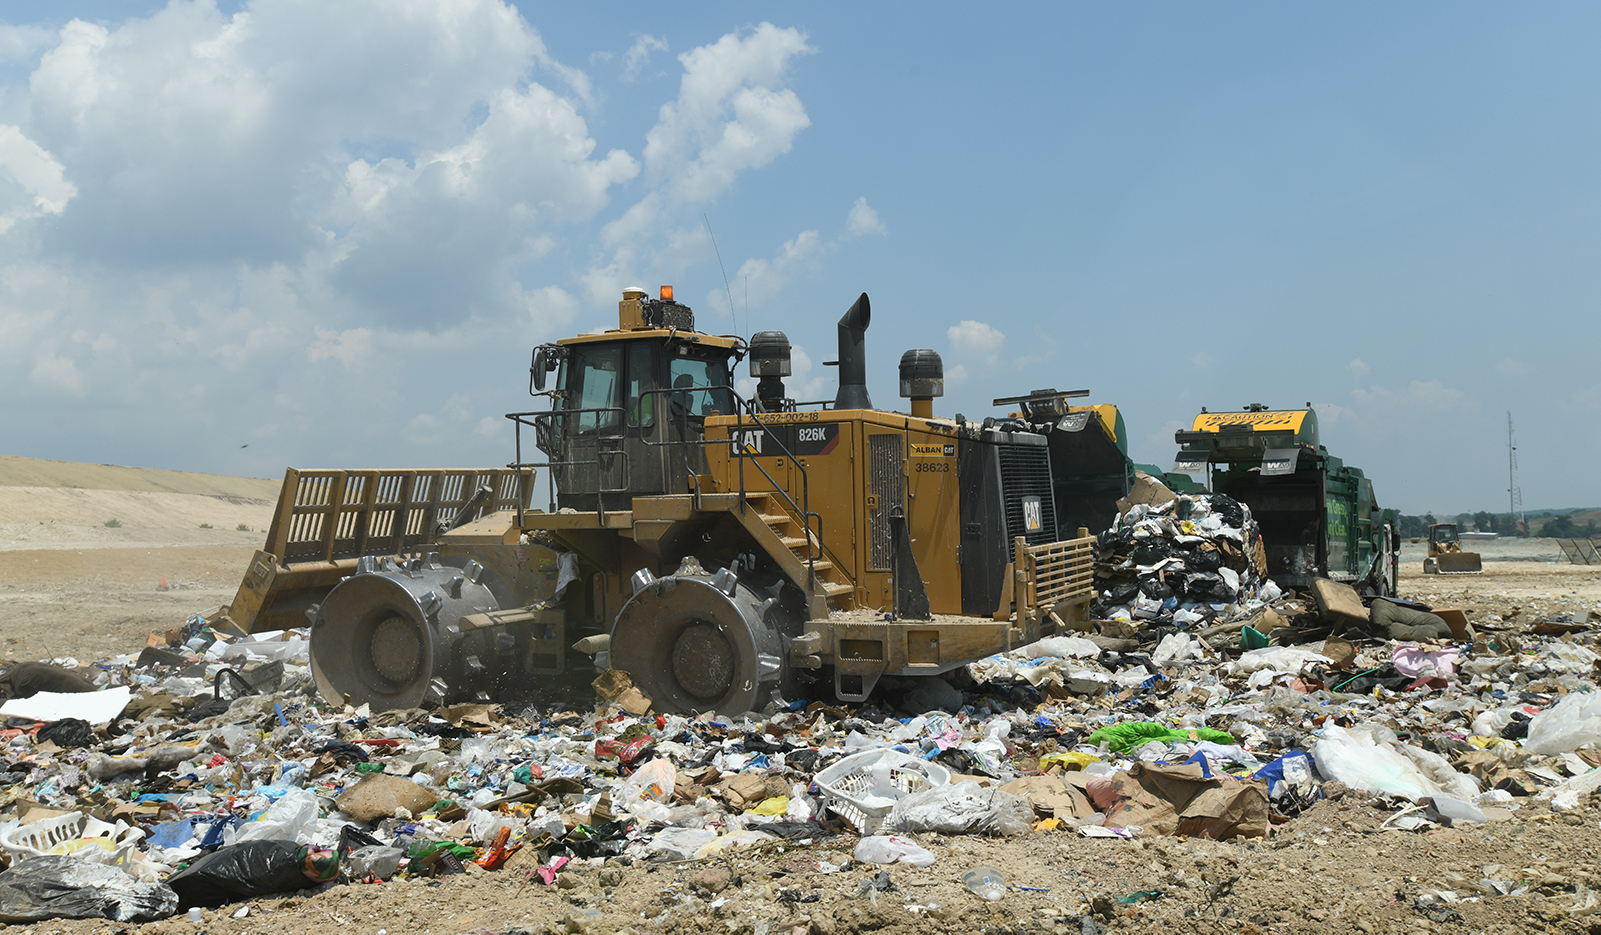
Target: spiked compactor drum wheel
point(699, 643)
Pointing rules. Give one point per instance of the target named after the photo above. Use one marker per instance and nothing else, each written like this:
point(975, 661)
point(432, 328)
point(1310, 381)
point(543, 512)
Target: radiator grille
point(1026, 472)
point(886, 479)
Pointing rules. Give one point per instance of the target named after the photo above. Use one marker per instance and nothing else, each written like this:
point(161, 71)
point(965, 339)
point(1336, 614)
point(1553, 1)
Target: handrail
point(519, 420)
point(741, 408)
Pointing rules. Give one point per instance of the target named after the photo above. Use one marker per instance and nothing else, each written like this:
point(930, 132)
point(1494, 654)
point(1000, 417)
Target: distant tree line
point(1563, 527)
point(1557, 527)
point(1482, 521)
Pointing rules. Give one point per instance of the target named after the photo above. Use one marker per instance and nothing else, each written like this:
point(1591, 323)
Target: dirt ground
point(1329, 870)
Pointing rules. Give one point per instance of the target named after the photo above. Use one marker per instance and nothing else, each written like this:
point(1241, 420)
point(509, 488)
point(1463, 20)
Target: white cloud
point(22, 43)
point(759, 280)
point(977, 339)
point(32, 182)
point(551, 310)
point(57, 373)
point(1513, 368)
point(1358, 368)
point(864, 220)
point(1384, 410)
point(352, 347)
point(639, 53)
point(762, 279)
point(730, 115)
point(209, 217)
point(1588, 400)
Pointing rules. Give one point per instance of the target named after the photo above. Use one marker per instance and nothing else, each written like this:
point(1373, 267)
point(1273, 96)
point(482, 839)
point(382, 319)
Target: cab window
point(598, 370)
point(705, 382)
point(641, 377)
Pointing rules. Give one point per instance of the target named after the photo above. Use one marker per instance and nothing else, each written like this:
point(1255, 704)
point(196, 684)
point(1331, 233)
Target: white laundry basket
point(857, 785)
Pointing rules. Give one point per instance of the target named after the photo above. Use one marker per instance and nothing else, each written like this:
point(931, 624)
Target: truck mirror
point(536, 370)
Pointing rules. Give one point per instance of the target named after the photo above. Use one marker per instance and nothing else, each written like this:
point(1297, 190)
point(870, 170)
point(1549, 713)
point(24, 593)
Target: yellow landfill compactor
point(725, 552)
point(1445, 553)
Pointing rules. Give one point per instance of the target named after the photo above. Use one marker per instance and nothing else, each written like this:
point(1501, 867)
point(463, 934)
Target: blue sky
point(332, 232)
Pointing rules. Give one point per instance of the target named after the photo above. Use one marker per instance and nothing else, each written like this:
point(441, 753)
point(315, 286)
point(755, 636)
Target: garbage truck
point(1318, 515)
point(726, 552)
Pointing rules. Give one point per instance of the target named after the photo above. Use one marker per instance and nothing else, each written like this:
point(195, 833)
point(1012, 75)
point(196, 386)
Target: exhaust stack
point(853, 357)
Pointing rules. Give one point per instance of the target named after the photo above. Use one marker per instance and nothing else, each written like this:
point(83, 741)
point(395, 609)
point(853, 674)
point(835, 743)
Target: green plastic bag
point(1126, 736)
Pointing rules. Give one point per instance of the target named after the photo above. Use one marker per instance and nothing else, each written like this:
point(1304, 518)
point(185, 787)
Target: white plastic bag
point(374, 860)
point(1066, 646)
point(958, 809)
point(1438, 770)
point(1176, 648)
point(1571, 723)
point(654, 780)
point(292, 818)
point(889, 849)
point(680, 843)
point(1355, 758)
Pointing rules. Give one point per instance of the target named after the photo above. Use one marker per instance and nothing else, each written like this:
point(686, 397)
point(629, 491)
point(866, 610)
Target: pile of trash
point(205, 770)
point(1186, 562)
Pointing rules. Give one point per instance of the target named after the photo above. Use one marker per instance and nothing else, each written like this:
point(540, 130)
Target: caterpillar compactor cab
point(719, 549)
point(1318, 516)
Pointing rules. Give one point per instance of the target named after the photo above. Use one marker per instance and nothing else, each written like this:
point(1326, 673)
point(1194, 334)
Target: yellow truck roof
point(1303, 422)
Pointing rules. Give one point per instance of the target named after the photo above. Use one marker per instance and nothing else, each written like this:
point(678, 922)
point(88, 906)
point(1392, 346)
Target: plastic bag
point(1067, 646)
point(1571, 723)
point(1009, 814)
point(255, 868)
point(1176, 648)
point(292, 817)
point(679, 843)
point(68, 732)
point(654, 780)
point(960, 808)
point(57, 887)
point(375, 861)
point(890, 848)
point(1363, 761)
point(1438, 770)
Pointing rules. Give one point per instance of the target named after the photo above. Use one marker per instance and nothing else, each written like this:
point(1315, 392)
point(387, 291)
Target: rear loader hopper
point(725, 552)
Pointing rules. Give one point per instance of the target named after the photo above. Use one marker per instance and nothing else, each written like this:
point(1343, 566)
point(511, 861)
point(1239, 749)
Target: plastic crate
point(849, 783)
point(37, 839)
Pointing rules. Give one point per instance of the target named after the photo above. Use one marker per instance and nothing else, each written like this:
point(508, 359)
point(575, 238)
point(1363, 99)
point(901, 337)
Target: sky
point(242, 236)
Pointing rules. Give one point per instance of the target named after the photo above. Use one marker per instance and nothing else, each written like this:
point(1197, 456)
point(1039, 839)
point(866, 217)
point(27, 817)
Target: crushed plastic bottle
point(986, 882)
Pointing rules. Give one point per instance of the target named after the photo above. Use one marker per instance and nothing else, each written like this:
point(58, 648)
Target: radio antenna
point(726, 288)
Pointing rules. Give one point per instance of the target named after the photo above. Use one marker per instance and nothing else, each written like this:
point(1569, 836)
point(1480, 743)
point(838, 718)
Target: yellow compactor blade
point(1458, 563)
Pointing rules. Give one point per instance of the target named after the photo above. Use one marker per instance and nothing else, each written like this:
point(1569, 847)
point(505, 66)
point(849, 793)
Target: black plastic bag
point(1228, 510)
point(68, 732)
point(254, 868)
point(55, 886)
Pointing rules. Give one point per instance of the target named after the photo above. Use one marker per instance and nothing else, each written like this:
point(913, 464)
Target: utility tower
point(1513, 491)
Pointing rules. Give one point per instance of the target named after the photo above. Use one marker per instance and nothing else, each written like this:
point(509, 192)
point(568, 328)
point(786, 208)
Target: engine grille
point(886, 456)
point(1025, 473)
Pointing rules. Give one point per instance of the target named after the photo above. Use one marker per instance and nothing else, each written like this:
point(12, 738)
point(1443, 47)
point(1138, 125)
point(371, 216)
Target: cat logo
point(933, 451)
point(1032, 521)
point(748, 443)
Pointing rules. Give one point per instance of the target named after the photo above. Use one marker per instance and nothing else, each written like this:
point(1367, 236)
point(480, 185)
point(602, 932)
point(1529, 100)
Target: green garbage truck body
point(1318, 515)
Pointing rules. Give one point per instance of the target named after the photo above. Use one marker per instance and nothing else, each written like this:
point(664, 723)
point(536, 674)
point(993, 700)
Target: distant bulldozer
point(1445, 553)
